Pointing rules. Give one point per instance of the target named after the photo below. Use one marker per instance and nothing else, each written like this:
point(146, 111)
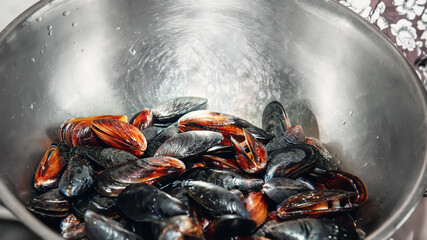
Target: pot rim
point(383, 232)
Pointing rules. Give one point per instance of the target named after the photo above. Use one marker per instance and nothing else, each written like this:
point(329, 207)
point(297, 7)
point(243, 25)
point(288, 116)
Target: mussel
point(188, 144)
point(49, 204)
point(51, 166)
point(109, 157)
point(120, 135)
point(214, 198)
point(293, 135)
point(171, 110)
point(177, 228)
point(77, 131)
point(317, 203)
point(251, 155)
point(309, 229)
point(143, 119)
point(227, 179)
point(275, 119)
point(144, 202)
point(291, 161)
point(111, 182)
point(103, 228)
point(226, 124)
point(280, 188)
point(77, 177)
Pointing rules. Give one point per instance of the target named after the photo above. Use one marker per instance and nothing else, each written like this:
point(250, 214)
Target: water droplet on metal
point(74, 24)
point(344, 122)
point(50, 33)
point(39, 19)
point(351, 113)
point(45, 45)
point(41, 51)
point(377, 137)
point(32, 59)
point(118, 28)
point(50, 27)
point(65, 13)
point(132, 51)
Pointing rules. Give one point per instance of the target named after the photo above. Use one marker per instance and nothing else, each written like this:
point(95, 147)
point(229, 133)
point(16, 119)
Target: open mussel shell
point(226, 124)
point(227, 179)
point(291, 161)
point(309, 228)
point(251, 155)
point(171, 110)
point(188, 144)
point(51, 166)
point(218, 200)
point(219, 162)
point(109, 157)
point(340, 180)
point(275, 119)
point(293, 135)
point(316, 203)
point(280, 188)
point(120, 135)
point(49, 204)
point(77, 177)
point(144, 202)
point(143, 119)
point(178, 227)
point(229, 226)
point(103, 228)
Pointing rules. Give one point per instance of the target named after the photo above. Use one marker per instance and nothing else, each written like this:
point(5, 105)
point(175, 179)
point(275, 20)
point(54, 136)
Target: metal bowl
point(339, 78)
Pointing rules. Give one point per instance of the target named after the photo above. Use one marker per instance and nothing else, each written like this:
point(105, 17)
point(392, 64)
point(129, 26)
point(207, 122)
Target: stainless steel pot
point(339, 77)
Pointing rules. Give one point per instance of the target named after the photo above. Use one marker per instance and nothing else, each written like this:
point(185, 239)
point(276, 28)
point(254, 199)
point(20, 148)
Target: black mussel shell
point(188, 144)
point(280, 188)
point(49, 204)
point(149, 133)
point(309, 228)
point(109, 157)
point(173, 109)
point(229, 226)
point(143, 202)
point(291, 161)
point(294, 135)
point(77, 177)
point(227, 179)
point(99, 227)
point(275, 119)
point(218, 200)
point(105, 206)
point(158, 140)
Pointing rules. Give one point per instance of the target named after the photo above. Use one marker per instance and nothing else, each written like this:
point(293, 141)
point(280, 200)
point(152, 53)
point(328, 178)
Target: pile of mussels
point(177, 171)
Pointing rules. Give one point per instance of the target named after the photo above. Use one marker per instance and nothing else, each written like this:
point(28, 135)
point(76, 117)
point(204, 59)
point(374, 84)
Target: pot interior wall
point(337, 77)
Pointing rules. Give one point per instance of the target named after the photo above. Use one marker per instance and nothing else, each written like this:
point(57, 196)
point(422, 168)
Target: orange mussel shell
point(77, 131)
point(257, 207)
point(143, 119)
point(50, 167)
point(120, 135)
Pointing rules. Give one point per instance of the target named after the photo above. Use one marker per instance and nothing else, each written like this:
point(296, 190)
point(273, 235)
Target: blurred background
point(10, 228)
